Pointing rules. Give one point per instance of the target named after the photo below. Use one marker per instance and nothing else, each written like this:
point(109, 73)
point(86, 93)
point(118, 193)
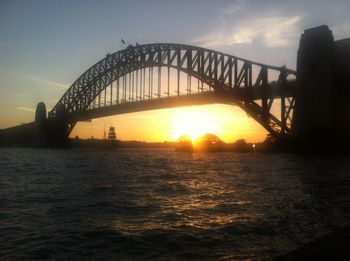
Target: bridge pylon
point(321, 113)
point(58, 129)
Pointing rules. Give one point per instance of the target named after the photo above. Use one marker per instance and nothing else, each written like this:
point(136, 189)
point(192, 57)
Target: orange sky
point(228, 122)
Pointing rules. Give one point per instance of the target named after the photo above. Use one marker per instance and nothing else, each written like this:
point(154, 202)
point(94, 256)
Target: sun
point(194, 124)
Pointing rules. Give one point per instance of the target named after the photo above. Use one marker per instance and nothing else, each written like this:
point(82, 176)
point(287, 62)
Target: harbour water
point(158, 204)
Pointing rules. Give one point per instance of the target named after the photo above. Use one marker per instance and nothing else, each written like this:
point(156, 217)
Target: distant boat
point(111, 134)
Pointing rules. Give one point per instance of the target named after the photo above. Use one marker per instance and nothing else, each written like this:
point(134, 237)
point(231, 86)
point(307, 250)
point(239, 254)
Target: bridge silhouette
point(136, 86)
point(164, 75)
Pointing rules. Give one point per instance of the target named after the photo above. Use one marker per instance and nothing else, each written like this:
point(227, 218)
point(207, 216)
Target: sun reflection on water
point(199, 201)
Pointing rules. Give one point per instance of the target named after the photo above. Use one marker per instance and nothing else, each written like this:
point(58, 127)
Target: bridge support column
point(50, 132)
point(321, 114)
point(41, 130)
point(58, 129)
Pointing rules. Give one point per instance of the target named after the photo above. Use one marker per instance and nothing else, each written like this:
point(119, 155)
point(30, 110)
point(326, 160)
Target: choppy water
point(163, 205)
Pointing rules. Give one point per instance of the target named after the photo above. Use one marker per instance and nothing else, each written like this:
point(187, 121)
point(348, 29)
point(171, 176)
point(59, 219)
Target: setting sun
point(226, 121)
point(194, 124)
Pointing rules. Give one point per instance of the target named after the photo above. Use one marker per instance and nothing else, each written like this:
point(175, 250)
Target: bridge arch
point(250, 85)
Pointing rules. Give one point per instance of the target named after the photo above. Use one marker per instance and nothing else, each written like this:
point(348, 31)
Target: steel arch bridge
point(151, 76)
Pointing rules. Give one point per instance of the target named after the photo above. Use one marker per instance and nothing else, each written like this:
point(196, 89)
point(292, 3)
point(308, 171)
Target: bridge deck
point(209, 97)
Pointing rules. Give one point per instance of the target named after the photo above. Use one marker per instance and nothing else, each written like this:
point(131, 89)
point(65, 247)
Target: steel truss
point(238, 78)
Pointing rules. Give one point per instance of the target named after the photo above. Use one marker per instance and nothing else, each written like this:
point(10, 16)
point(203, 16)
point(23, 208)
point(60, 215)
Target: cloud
point(341, 31)
point(270, 30)
point(38, 80)
point(233, 8)
point(25, 109)
point(48, 82)
point(273, 31)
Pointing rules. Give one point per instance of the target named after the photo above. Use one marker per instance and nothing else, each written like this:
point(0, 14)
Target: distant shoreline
point(99, 143)
point(240, 146)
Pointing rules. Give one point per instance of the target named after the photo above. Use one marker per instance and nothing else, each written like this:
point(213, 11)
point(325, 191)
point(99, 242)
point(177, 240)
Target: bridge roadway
point(209, 97)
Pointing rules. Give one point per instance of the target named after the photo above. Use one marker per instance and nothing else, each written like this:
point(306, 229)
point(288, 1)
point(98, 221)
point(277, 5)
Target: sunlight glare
point(194, 124)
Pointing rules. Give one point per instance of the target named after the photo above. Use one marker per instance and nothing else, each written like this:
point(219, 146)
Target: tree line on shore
point(207, 143)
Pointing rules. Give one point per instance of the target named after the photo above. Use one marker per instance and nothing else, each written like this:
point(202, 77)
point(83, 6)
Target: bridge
point(164, 75)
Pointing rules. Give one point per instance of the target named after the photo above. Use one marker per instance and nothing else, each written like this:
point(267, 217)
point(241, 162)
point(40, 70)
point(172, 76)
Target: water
point(164, 205)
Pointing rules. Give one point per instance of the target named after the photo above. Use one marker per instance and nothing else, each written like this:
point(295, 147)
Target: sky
point(46, 45)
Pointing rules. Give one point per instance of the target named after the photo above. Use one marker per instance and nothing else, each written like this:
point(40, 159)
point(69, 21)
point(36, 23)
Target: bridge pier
point(57, 129)
point(322, 112)
point(42, 132)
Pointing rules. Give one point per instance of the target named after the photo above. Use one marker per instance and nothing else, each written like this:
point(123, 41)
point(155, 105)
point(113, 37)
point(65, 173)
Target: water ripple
point(159, 204)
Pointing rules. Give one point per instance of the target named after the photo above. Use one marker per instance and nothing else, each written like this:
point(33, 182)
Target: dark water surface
point(163, 205)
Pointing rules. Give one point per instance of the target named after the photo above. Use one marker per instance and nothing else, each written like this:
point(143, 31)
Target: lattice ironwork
point(248, 83)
